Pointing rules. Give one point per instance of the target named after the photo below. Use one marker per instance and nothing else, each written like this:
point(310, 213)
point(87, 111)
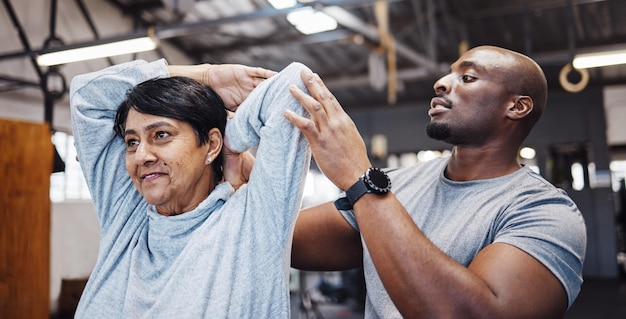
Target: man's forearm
point(418, 276)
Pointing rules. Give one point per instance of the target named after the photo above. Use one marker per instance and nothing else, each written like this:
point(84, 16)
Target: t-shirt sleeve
point(550, 228)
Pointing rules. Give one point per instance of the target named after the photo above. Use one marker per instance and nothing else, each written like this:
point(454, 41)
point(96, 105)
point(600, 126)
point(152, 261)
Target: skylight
point(306, 20)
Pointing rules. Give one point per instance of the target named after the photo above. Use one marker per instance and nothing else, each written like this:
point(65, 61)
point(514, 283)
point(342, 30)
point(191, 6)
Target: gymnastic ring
point(573, 87)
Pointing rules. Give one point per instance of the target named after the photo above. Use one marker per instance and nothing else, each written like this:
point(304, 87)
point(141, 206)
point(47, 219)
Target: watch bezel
point(374, 175)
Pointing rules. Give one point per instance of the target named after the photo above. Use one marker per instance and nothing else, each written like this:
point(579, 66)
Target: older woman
point(175, 242)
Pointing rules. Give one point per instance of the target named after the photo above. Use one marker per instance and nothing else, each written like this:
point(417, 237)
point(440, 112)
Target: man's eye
point(467, 78)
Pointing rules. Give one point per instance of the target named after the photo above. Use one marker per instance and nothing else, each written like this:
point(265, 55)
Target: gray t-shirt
point(224, 259)
point(521, 209)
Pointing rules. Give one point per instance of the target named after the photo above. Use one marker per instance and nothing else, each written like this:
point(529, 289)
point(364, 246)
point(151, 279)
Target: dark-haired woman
point(175, 241)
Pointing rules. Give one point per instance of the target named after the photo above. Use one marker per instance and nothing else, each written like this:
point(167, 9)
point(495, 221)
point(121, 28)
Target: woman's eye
point(161, 134)
point(131, 143)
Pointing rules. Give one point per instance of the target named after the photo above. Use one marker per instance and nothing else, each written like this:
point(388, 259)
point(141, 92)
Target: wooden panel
point(25, 167)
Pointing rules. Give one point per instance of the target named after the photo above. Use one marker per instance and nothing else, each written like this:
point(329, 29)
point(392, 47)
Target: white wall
point(615, 108)
point(74, 244)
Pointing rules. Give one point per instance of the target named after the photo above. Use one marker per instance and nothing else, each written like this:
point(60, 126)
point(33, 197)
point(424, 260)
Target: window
point(70, 184)
point(618, 173)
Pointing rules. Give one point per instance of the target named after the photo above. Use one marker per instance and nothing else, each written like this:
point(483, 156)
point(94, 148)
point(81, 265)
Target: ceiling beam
point(176, 30)
point(352, 22)
point(517, 8)
point(364, 81)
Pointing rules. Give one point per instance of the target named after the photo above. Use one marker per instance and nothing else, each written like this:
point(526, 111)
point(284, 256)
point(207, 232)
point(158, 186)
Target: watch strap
point(343, 204)
point(352, 195)
point(361, 188)
point(356, 191)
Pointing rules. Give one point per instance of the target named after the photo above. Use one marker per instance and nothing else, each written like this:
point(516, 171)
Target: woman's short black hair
point(179, 98)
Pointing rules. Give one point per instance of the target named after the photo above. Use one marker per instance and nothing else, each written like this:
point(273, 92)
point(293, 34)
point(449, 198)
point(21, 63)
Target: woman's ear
point(215, 143)
point(521, 106)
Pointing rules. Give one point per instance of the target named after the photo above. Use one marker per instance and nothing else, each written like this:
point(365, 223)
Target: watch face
point(378, 180)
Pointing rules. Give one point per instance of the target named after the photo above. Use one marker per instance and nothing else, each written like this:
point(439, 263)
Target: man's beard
point(438, 131)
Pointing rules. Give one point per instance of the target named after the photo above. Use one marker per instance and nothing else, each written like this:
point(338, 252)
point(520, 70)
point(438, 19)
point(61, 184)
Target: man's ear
point(215, 143)
point(521, 106)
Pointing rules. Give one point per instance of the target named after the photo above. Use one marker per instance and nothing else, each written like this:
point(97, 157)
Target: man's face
point(469, 101)
point(165, 162)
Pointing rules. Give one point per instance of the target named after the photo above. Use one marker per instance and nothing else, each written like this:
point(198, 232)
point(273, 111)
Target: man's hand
point(232, 82)
point(336, 144)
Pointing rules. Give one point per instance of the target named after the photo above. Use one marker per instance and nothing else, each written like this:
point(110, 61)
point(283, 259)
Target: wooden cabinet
point(26, 155)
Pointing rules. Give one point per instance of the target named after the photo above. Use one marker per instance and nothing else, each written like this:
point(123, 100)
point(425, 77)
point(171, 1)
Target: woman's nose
point(144, 154)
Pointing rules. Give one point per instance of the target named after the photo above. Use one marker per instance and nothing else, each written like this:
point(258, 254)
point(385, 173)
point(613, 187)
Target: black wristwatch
point(374, 181)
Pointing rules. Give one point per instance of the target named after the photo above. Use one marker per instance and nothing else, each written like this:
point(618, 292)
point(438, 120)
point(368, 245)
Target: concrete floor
point(598, 299)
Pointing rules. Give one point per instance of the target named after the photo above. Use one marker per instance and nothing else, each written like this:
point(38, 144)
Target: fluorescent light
point(282, 4)
point(306, 20)
point(594, 60)
point(97, 51)
point(309, 21)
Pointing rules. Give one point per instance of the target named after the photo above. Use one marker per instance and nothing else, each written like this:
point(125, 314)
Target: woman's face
point(165, 162)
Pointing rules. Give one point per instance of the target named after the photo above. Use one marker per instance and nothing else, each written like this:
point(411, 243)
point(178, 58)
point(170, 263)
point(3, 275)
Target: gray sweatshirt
point(227, 258)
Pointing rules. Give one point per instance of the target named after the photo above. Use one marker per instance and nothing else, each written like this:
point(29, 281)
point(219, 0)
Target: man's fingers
point(306, 126)
point(320, 92)
point(315, 108)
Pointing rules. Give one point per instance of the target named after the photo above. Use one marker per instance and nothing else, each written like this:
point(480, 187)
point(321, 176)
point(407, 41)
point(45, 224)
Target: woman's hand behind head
point(233, 82)
point(237, 166)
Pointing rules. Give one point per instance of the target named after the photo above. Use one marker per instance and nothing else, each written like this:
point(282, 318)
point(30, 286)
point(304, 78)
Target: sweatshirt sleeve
point(94, 100)
point(276, 183)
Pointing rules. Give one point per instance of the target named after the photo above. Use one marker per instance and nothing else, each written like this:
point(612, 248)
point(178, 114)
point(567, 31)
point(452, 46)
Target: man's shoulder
point(435, 166)
point(423, 174)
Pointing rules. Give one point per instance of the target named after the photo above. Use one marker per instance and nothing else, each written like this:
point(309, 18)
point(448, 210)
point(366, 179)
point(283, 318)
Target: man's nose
point(442, 85)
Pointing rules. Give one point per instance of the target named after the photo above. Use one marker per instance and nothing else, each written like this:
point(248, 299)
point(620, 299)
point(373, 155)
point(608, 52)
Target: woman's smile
point(151, 177)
